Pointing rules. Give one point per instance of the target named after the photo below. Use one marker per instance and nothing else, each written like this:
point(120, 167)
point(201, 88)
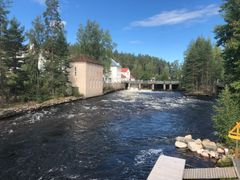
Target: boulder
point(220, 150)
point(199, 151)
point(189, 136)
point(213, 154)
point(205, 153)
point(210, 145)
point(180, 144)
point(180, 138)
point(226, 150)
point(194, 146)
point(198, 141)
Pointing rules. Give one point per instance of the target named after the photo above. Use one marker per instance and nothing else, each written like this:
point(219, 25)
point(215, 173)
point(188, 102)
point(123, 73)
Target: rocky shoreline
point(17, 110)
point(206, 148)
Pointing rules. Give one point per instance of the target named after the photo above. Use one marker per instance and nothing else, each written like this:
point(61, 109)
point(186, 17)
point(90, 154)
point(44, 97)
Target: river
point(116, 136)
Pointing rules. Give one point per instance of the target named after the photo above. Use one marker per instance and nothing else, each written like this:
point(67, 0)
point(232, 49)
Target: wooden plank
point(236, 163)
point(210, 173)
point(167, 168)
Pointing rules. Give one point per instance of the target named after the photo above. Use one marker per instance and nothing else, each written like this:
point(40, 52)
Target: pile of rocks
point(205, 148)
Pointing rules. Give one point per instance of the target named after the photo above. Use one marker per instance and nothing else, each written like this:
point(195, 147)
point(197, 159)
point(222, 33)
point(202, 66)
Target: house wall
point(87, 77)
point(77, 76)
point(127, 75)
point(115, 74)
point(94, 79)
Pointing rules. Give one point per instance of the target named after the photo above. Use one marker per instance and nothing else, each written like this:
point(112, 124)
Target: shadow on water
point(117, 136)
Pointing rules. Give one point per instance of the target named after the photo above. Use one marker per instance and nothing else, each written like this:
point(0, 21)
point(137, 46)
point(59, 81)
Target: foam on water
point(36, 117)
point(146, 155)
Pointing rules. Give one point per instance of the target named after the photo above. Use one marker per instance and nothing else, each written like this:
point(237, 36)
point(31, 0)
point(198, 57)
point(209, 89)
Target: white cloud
point(136, 42)
point(41, 2)
point(176, 17)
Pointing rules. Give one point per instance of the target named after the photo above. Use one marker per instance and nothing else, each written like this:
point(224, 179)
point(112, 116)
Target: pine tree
point(228, 37)
point(3, 40)
point(15, 50)
point(198, 69)
point(55, 51)
point(33, 76)
point(226, 112)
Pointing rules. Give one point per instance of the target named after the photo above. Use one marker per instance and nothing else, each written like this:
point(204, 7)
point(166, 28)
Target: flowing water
point(116, 136)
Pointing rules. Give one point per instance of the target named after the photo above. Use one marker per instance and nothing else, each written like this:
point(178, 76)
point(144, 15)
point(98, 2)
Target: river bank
point(21, 108)
point(18, 109)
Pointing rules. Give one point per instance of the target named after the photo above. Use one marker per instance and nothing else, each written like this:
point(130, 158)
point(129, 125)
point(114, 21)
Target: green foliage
point(228, 37)
point(55, 51)
point(14, 60)
point(145, 67)
point(227, 110)
point(3, 40)
point(94, 41)
point(226, 114)
point(202, 66)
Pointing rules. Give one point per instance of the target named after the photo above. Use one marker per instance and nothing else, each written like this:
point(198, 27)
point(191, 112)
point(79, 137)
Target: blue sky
point(161, 28)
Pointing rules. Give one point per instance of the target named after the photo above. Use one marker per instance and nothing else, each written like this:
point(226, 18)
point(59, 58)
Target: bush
point(75, 92)
point(226, 114)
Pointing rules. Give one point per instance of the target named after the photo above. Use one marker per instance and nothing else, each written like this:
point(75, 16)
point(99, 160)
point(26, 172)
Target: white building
point(115, 72)
point(125, 74)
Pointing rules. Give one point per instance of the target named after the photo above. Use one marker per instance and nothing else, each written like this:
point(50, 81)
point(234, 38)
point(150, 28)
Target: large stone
point(189, 136)
point(205, 153)
point(199, 151)
point(180, 144)
point(198, 141)
point(220, 150)
point(194, 146)
point(207, 144)
point(213, 154)
point(180, 138)
point(226, 150)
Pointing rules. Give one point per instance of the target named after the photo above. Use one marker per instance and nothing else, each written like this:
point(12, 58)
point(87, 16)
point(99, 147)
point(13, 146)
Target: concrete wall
point(87, 77)
point(109, 87)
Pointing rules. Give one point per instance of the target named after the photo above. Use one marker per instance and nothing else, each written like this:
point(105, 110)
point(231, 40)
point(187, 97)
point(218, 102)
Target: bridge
point(153, 85)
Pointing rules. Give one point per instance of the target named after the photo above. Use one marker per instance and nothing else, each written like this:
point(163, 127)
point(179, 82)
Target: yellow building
point(87, 75)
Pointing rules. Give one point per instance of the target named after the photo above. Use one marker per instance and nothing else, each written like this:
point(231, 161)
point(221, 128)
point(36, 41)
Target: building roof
point(124, 69)
point(115, 63)
point(85, 58)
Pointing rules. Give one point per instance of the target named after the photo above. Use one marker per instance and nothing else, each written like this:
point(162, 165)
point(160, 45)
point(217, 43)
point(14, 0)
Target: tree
point(94, 41)
point(3, 40)
point(33, 74)
point(226, 112)
point(199, 70)
point(55, 51)
point(228, 37)
point(175, 70)
point(14, 58)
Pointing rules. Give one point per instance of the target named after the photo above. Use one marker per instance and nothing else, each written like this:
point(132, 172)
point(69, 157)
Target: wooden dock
point(210, 173)
point(236, 163)
point(171, 168)
point(167, 168)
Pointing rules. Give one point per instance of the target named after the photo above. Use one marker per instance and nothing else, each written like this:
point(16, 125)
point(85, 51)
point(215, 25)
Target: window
point(75, 71)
